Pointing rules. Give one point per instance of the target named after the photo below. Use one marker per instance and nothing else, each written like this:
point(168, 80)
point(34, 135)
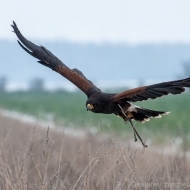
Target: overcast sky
point(126, 21)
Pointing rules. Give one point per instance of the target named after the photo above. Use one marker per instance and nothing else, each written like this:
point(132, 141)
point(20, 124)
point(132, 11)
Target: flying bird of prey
point(100, 102)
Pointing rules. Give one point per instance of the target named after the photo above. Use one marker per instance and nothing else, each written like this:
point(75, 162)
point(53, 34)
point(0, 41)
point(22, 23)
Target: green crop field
point(69, 109)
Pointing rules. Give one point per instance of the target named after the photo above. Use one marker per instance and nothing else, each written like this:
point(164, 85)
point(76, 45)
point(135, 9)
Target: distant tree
point(186, 68)
point(3, 84)
point(36, 84)
point(141, 82)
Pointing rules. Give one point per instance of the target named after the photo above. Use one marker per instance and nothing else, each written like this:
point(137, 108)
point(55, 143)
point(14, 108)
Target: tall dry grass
point(32, 157)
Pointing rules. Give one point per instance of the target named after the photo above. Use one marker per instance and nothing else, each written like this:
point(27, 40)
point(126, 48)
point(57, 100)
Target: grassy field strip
point(68, 109)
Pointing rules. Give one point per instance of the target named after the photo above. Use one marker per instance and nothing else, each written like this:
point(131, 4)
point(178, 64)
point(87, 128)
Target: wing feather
point(153, 91)
point(48, 59)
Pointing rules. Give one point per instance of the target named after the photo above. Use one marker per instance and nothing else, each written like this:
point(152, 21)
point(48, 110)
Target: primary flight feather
point(99, 102)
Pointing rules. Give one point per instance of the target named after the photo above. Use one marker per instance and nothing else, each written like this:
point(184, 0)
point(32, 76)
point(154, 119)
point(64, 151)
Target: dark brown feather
point(48, 59)
point(153, 91)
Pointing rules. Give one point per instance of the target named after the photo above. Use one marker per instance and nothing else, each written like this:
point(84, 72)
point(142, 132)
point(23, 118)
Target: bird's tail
point(142, 115)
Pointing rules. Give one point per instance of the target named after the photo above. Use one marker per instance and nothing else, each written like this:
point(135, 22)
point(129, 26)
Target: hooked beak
point(89, 107)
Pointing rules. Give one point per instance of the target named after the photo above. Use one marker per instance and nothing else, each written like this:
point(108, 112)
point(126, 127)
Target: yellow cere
point(90, 106)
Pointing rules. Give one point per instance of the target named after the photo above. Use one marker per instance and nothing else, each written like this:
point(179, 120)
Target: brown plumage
point(99, 102)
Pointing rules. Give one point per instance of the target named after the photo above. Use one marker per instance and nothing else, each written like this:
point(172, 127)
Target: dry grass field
point(34, 157)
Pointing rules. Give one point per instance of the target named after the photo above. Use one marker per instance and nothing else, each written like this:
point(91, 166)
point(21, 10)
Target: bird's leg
point(126, 119)
point(135, 137)
point(132, 128)
point(136, 134)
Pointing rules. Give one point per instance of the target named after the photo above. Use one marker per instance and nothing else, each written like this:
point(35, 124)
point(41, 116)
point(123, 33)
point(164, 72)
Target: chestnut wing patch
point(153, 91)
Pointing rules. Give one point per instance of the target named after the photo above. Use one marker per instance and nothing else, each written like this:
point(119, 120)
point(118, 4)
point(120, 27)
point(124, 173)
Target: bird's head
point(93, 106)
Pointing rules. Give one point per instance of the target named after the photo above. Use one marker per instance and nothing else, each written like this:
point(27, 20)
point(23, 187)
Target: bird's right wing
point(47, 59)
point(153, 91)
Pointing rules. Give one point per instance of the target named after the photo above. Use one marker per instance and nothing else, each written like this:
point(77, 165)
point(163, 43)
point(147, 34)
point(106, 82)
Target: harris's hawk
point(100, 102)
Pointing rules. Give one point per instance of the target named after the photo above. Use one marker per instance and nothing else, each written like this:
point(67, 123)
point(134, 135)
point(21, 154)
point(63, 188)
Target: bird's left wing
point(153, 91)
point(47, 59)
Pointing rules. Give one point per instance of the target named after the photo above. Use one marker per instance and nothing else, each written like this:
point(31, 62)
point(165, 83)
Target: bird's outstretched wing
point(47, 59)
point(153, 91)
